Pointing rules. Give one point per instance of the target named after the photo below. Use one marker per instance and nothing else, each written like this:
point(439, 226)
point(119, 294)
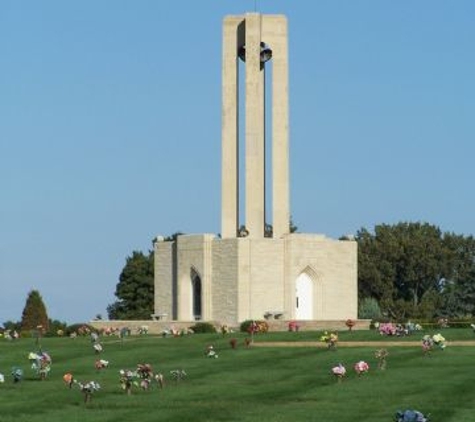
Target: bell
point(265, 54)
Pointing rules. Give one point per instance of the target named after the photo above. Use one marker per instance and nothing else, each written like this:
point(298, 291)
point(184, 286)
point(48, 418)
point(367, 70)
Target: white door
point(303, 297)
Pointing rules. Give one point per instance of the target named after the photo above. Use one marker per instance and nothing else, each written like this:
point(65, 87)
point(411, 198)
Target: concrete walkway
point(322, 345)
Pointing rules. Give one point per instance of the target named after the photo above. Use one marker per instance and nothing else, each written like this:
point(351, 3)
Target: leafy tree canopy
point(415, 270)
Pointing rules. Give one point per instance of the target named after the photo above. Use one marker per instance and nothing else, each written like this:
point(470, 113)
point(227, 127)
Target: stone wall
point(157, 327)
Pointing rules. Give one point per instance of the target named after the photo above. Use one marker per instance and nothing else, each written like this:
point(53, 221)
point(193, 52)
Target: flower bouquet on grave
point(350, 323)
point(145, 374)
point(381, 355)
point(387, 328)
point(41, 363)
point(101, 364)
point(339, 372)
point(127, 380)
point(439, 341)
point(410, 416)
point(361, 367)
point(427, 344)
point(17, 374)
point(210, 352)
point(178, 374)
point(68, 379)
point(88, 389)
point(331, 339)
point(160, 379)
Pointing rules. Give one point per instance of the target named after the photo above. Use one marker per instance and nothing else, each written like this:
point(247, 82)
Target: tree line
point(414, 270)
point(408, 270)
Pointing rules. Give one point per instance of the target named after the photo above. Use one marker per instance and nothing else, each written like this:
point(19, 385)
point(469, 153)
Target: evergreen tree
point(34, 313)
point(135, 289)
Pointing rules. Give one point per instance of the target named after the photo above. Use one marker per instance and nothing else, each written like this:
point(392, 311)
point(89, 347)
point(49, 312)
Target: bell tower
point(259, 41)
point(250, 274)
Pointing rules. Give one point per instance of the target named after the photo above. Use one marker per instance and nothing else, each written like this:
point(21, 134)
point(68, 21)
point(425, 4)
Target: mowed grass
point(246, 384)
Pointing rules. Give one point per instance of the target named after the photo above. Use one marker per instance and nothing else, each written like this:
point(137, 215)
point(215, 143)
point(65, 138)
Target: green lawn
point(247, 384)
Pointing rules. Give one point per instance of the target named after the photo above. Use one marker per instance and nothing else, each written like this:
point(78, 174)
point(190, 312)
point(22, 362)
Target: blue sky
point(110, 129)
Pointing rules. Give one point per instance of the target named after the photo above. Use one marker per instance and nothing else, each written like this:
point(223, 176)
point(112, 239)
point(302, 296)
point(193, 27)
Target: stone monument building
point(251, 271)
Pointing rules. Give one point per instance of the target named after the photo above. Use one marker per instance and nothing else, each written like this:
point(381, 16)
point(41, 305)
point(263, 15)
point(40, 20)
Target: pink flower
point(361, 367)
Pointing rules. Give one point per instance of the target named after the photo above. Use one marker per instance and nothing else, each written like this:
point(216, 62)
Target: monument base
point(299, 276)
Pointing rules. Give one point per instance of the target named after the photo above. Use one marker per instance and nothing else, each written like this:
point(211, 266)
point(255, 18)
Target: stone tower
point(250, 272)
point(259, 41)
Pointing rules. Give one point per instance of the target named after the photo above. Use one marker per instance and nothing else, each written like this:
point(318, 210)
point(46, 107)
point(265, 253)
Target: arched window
point(196, 296)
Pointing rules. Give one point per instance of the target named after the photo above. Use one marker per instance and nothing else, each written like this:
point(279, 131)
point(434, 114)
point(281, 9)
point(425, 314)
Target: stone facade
point(245, 278)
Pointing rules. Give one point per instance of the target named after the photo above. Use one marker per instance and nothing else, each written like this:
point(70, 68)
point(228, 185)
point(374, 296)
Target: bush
point(369, 309)
point(203, 327)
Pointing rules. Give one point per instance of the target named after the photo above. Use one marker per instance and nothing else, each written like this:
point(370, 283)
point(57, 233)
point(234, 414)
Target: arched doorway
point(196, 307)
point(304, 297)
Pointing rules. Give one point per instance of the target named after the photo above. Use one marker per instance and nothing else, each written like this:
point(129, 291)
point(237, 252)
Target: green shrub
point(368, 308)
point(203, 327)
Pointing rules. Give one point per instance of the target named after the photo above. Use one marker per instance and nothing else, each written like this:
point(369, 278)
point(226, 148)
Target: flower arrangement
point(331, 339)
point(339, 372)
point(142, 377)
point(350, 323)
point(127, 380)
point(439, 341)
point(178, 374)
point(160, 379)
point(387, 328)
point(41, 363)
point(143, 329)
point(88, 388)
point(427, 344)
point(83, 330)
point(293, 326)
point(410, 416)
point(255, 327)
point(210, 352)
point(17, 374)
point(443, 322)
point(97, 348)
point(361, 367)
point(145, 374)
point(101, 364)
point(2, 378)
point(381, 355)
point(68, 379)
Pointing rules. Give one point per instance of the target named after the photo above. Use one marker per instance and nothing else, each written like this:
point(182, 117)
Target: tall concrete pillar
point(275, 30)
point(247, 37)
point(230, 127)
point(255, 129)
